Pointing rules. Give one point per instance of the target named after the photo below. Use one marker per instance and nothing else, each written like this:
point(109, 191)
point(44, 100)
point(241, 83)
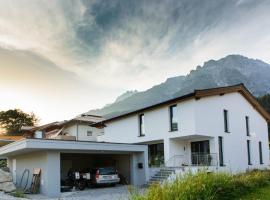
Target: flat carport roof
point(46, 155)
point(30, 145)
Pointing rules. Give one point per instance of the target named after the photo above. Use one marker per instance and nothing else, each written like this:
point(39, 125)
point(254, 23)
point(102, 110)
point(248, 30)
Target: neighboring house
point(221, 127)
point(216, 129)
point(79, 128)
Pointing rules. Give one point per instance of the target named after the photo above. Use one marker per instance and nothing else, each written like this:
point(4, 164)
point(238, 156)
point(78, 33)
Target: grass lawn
point(260, 194)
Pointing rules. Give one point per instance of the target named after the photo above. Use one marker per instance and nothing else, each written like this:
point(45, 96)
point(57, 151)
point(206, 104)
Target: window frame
point(171, 118)
point(141, 124)
point(260, 153)
point(87, 133)
point(226, 120)
point(249, 152)
point(247, 125)
point(221, 151)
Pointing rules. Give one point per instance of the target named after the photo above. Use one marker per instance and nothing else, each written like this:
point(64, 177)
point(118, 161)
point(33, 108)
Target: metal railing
point(194, 159)
point(203, 159)
point(181, 161)
point(176, 161)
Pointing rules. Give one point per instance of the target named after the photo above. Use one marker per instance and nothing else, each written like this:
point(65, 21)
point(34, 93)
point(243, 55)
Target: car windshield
point(107, 171)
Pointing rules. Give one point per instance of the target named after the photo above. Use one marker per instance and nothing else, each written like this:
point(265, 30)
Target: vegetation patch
point(260, 194)
point(18, 194)
point(206, 186)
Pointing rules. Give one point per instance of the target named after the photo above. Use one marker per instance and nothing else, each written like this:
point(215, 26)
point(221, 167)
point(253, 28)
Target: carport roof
point(31, 145)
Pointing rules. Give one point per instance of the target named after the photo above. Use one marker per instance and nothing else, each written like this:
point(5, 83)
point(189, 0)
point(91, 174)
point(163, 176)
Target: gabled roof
point(27, 128)
point(50, 125)
point(89, 119)
point(197, 94)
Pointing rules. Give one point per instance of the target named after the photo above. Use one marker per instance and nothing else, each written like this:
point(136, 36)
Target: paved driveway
point(118, 192)
point(104, 193)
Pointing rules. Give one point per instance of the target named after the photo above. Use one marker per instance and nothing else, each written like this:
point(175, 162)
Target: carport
point(79, 161)
point(55, 157)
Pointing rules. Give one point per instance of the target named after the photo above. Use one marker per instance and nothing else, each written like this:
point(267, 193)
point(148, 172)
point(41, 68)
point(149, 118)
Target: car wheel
point(81, 185)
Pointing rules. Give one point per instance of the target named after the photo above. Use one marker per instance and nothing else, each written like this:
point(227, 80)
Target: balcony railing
point(195, 159)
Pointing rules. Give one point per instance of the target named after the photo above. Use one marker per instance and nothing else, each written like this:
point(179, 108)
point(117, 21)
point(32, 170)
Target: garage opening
point(89, 162)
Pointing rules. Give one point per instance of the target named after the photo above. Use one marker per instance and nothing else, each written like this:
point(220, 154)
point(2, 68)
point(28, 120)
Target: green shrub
point(206, 186)
point(18, 194)
point(3, 163)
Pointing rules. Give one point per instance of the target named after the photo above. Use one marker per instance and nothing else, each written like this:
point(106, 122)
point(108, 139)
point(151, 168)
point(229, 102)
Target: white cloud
point(137, 45)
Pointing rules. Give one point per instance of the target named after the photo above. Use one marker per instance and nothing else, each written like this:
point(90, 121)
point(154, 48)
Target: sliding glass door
point(200, 153)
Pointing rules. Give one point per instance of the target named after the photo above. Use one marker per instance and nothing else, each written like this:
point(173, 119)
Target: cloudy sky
point(61, 58)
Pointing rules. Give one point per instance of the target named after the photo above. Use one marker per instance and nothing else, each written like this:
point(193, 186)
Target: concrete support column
point(53, 185)
point(139, 176)
point(167, 154)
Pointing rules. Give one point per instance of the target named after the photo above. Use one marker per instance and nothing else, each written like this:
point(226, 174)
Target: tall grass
point(205, 186)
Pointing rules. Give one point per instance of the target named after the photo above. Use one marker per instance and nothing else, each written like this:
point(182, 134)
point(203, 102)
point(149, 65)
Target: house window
point(226, 121)
point(89, 133)
point(248, 152)
point(173, 118)
point(38, 134)
point(220, 143)
point(142, 125)
point(247, 126)
point(156, 154)
point(260, 153)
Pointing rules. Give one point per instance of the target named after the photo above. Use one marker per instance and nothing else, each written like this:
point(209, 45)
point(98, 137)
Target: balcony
point(194, 159)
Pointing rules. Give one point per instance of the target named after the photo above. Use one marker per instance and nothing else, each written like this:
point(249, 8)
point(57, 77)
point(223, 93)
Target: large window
point(156, 154)
point(247, 126)
point(141, 125)
point(220, 143)
point(248, 152)
point(260, 153)
point(173, 118)
point(226, 121)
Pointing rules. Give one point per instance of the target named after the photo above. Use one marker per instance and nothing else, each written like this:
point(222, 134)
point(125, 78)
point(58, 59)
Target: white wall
point(203, 117)
point(80, 132)
point(48, 162)
point(210, 122)
point(157, 125)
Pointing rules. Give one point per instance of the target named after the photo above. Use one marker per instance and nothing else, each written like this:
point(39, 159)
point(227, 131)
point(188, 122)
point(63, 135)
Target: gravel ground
point(105, 193)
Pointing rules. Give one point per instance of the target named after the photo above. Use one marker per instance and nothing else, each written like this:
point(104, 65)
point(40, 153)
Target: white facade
point(199, 120)
point(79, 131)
point(83, 132)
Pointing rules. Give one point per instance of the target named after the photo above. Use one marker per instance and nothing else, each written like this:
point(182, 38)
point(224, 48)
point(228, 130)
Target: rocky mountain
point(125, 95)
point(230, 70)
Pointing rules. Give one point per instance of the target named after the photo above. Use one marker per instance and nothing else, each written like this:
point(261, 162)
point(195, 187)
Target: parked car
point(104, 176)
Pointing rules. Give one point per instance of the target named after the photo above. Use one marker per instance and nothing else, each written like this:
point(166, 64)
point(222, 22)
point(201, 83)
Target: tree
point(12, 120)
point(265, 102)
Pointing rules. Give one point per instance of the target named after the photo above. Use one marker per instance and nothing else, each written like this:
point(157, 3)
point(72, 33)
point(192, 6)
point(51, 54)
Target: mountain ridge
point(230, 70)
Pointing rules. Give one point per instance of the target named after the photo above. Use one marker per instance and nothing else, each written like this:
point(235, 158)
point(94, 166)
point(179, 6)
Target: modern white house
point(222, 128)
point(216, 129)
